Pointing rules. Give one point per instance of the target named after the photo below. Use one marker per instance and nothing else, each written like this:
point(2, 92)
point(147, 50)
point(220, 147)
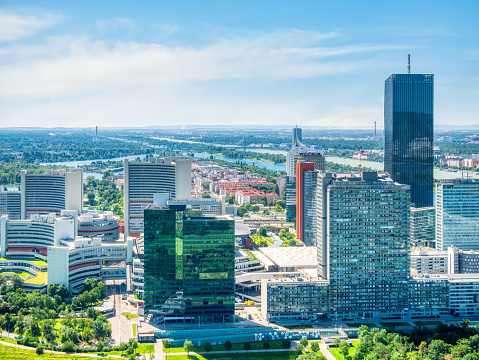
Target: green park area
point(254, 346)
point(36, 262)
point(20, 273)
point(337, 352)
point(274, 355)
point(261, 241)
point(14, 353)
point(38, 280)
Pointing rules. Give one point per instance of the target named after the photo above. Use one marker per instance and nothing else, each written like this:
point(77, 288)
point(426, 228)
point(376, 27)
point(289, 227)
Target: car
point(123, 297)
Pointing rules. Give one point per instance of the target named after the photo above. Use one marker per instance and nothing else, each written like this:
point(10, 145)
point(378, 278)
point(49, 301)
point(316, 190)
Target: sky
point(162, 63)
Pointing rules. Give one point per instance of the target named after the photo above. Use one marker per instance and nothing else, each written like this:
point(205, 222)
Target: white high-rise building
point(297, 148)
point(457, 214)
point(52, 192)
point(10, 204)
point(145, 181)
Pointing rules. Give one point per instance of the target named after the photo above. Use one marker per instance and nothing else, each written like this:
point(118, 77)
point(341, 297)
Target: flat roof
point(292, 256)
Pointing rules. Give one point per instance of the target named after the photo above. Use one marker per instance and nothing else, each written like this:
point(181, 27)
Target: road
point(121, 329)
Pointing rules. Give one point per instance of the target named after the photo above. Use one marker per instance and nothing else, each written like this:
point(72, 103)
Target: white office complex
point(30, 237)
point(51, 192)
point(457, 214)
point(154, 179)
point(70, 259)
point(105, 226)
point(10, 204)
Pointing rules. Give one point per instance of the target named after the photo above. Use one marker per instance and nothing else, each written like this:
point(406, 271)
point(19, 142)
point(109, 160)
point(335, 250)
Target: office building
point(10, 204)
point(409, 134)
point(428, 261)
point(366, 247)
point(290, 198)
point(154, 179)
point(51, 192)
point(297, 148)
point(457, 214)
point(105, 226)
point(423, 227)
point(306, 202)
point(189, 266)
point(313, 156)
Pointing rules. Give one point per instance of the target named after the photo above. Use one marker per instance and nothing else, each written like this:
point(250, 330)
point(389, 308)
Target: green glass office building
point(189, 266)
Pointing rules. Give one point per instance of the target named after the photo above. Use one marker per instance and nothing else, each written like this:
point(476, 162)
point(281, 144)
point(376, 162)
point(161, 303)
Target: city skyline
point(65, 65)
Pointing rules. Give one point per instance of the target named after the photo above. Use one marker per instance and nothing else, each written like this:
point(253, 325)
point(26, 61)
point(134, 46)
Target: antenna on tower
point(375, 137)
point(408, 63)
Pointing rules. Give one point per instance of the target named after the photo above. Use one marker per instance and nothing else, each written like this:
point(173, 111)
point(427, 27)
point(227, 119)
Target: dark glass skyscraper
point(409, 133)
point(189, 265)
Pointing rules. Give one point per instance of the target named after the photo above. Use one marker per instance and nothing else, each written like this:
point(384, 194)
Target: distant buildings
point(409, 133)
point(167, 177)
point(189, 266)
point(51, 192)
point(457, 214)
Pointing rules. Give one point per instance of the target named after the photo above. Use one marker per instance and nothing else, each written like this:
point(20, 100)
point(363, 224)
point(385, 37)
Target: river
point(438, 174)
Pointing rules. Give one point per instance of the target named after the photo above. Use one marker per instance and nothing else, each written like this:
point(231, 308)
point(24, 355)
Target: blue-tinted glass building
point(409, 134)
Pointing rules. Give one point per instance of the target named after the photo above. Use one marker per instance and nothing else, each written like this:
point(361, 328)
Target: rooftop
point(292, 256)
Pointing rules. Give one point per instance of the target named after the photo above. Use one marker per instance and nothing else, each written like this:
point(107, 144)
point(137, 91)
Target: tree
point(17, 282)
point(344, 348)
point(337, 342)
point(228, 345)
point(314, 347)
point(68, 347)
point(188, 346)
point(286, 344)
point(91, 198)
point(247, 346)
point(39, 350)
point(304, 342)
point(3, 280)
point(166, 344)
point(262, 231)
point(208, 347)
point(100, 329)
point(99, 347)
point(299, 348)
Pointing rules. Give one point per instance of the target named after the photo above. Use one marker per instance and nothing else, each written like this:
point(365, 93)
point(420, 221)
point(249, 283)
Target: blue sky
point(153, 63)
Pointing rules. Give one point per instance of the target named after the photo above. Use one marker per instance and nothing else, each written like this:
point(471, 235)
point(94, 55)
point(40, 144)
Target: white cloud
point(14, 26)
point(79, 64)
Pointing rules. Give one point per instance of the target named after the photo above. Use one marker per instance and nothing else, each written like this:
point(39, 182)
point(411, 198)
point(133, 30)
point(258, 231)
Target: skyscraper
point(306, 202)
point(363, 242)
point(145, 180)
point(189, 265)
point(54, 191)
point(409, 133)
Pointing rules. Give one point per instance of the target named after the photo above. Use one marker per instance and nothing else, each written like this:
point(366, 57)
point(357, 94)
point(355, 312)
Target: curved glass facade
point(409, 134)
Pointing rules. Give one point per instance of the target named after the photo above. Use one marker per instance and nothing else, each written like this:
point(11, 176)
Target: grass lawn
point(37, 262)
point(8, 340)
point(129, 315)
point(134, 329)
point(337, 354)
point(427, 322)
point(40, 279)
point(254, 346)
point(386, 324)
point(20, 273)
point(13, 353)
point(290, 355)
